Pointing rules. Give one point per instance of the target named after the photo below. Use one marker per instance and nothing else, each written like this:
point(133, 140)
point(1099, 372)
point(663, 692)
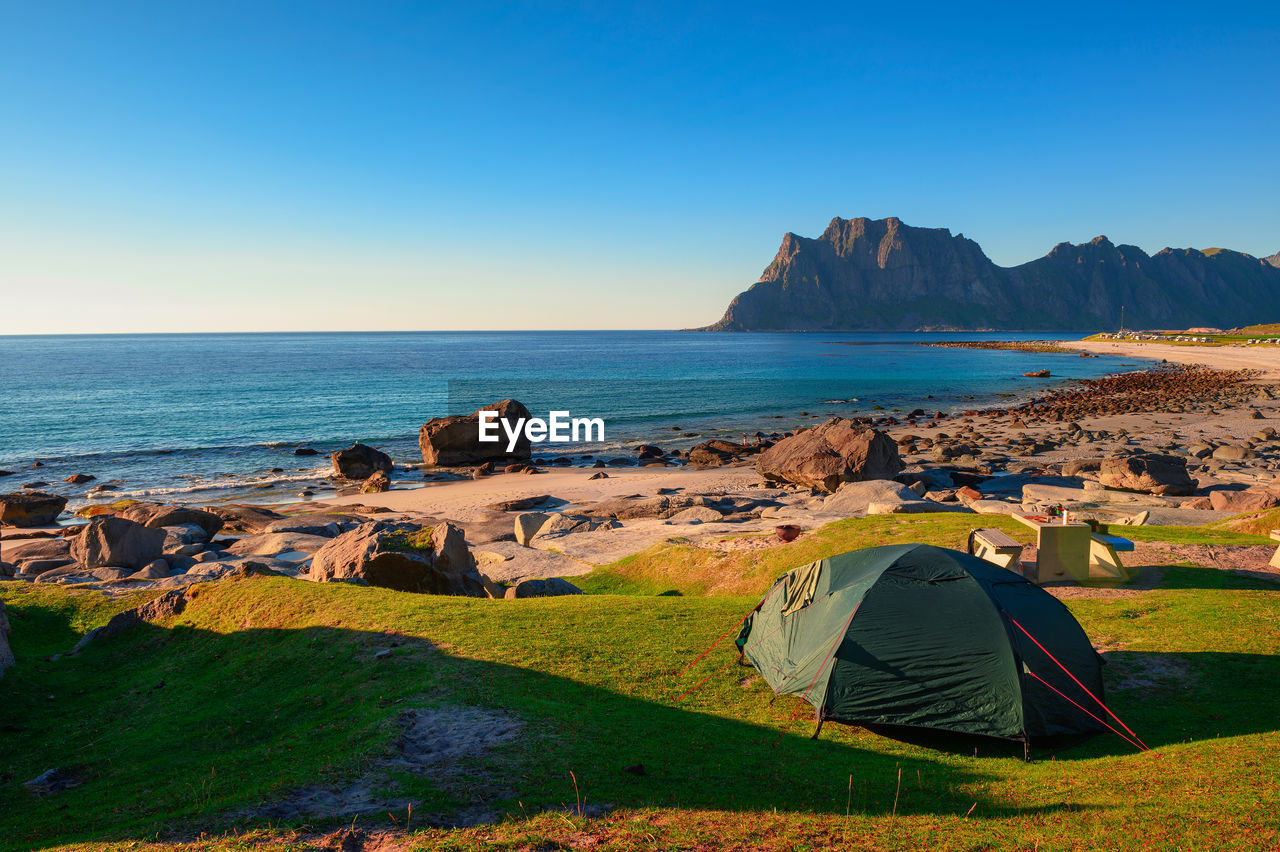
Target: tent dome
point(921, 637)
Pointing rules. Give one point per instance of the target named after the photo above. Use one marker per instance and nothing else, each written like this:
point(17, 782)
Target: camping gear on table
point(910, 638)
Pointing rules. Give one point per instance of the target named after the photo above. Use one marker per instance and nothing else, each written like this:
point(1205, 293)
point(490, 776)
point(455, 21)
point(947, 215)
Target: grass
point(263, 685)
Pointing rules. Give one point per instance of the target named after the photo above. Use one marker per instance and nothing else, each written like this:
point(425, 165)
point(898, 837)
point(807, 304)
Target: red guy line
point(1100, 720)
point(1077, 680)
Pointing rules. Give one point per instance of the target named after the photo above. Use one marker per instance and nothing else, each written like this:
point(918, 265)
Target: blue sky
point(274, 166)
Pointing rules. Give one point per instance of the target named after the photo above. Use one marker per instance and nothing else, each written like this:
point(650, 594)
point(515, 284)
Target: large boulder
point(109, 542)
point(359, 461)
point(402, 556)
point(1150, 473)
point(157, 515)
point(855, 497)
point(30, 508)
point(1248, 500)
point(825, 456)
point(456, 440)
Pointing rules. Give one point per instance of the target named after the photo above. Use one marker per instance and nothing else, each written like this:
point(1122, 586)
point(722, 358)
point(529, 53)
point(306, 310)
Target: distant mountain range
point(882, 275)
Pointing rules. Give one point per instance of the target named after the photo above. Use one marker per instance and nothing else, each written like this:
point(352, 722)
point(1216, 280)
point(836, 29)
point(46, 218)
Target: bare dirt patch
point(431, 741)
point(1243, 560)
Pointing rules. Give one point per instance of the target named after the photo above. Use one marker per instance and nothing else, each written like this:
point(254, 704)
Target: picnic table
point(1063, 548)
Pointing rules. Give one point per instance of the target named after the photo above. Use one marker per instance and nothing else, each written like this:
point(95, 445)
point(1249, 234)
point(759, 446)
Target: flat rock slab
point(527, 563)
point(270, 544)
point(1037, 493)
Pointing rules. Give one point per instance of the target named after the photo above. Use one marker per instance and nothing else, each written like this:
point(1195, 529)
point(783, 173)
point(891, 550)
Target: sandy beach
point(1265, 359)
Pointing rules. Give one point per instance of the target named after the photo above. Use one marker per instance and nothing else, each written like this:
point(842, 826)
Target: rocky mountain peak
point(883, 274)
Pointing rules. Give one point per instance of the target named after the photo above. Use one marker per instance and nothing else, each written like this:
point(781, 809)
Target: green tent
point(909, 637)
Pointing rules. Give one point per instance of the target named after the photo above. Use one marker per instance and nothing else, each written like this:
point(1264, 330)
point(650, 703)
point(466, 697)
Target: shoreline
point(1266, 360)
point(999, 460)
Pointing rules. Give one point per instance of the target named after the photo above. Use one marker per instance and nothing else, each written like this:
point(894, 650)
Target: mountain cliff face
point(882, 275)
point(1274, 259)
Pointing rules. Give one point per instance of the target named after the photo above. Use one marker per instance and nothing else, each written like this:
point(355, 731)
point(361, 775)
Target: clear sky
point(217, 166)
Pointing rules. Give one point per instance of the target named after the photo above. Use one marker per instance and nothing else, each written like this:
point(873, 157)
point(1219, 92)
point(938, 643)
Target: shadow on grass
point(1188, 576)
point(170, 732)
point(175, 731)
point(1169, 699)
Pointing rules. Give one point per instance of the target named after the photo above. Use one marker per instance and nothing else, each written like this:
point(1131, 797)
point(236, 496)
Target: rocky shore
point(1173, 444)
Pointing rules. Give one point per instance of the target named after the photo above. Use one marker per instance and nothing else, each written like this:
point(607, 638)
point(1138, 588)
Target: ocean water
point(207, 417)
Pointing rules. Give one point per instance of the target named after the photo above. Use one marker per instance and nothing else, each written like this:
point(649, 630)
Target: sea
point(208, 418)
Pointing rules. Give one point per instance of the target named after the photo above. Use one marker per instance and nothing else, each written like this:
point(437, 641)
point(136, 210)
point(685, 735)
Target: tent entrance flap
point(802, 587)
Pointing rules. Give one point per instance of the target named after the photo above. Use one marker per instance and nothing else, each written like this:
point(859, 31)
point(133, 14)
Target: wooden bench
point(1104, 555)
point(996, 547)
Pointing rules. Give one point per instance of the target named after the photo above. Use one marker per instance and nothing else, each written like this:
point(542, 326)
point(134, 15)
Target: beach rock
point(109, 542)
point(696, 515)
point(599, 474)
point(716, 452)
point(40, 567)
point(184, 540)
point(854, 497)
point(994, 507)
point(1074, 467)
point(1228, 452)
point(30, 509)
point(456, 440)
point(559, 524)
point(527, 526)
point(902, 507)
point(36, 549)
point(638, 508)
point(1203, 503)
point(7, 570)
point(1150, 473)
point(836, 451)
point(156, 515)
point(1249, 500)
point(548, 588)
point(157, 570)
point(1038, 493)
point(273, 543)
point(7, 660)
point(328, 526)
point(1037, 374)
point(376, 484)
point(381, 553)
point(360, 461)
point(79, 478)
point(520, 504)
point(306, 451)
point(169, 604)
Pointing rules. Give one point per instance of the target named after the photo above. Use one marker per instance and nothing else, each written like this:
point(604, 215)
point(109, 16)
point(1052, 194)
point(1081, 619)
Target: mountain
point(1274, 259)
point(883, 275)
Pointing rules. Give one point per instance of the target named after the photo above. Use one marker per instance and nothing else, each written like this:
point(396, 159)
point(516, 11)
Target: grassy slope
point(675, 566)
point(263, 685)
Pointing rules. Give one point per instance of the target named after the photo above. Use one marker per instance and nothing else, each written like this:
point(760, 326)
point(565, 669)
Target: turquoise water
point(206, 417)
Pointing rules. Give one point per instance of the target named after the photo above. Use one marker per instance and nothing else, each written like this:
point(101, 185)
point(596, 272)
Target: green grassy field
point(182, 732)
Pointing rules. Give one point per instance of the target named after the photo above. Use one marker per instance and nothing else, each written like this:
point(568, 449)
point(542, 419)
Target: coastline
point(1264, 359)
point(1048, 437)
